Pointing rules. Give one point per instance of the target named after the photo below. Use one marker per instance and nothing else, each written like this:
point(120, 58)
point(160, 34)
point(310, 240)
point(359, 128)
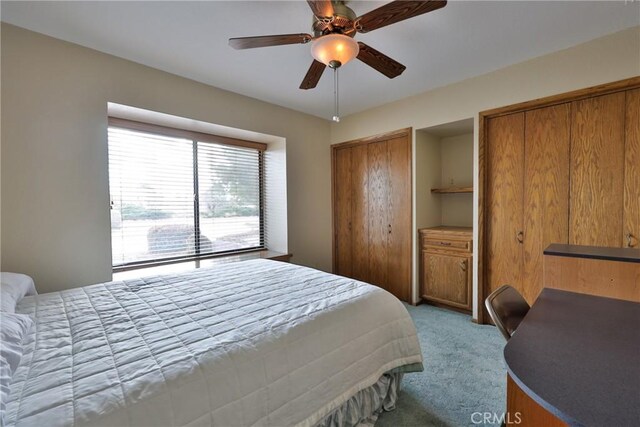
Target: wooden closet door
point(504, 201)
point(399, 217)
point(631, 215)
point(360, 212)
point(597, 170)
point(378, 187)
point(546, 189)
point(342, 212)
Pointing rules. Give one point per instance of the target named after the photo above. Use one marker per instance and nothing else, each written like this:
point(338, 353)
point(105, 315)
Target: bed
point(251, 343)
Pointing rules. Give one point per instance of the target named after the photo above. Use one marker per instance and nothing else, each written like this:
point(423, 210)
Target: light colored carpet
point(464, 372)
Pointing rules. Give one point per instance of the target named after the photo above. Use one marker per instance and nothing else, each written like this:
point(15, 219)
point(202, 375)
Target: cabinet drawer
point(464, 245)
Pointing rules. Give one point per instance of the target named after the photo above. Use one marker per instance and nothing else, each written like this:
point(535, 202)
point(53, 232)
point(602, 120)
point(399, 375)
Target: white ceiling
point(462, 40)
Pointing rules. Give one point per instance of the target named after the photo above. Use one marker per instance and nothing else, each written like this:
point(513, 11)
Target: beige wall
point(55, 217)
point(55, 200)
point(457, 171)
point(606, 59)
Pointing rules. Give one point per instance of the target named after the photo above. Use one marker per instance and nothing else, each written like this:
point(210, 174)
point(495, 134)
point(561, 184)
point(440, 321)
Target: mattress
point(251, 343)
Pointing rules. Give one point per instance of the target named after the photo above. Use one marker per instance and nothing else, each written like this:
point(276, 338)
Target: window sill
point(191, 265)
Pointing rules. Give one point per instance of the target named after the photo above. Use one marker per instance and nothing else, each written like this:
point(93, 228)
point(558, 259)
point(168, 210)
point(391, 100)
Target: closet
point(372, 211)
point(561, 170)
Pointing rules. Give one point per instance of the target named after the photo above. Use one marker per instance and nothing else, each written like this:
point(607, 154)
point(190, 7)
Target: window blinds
point(174, 198)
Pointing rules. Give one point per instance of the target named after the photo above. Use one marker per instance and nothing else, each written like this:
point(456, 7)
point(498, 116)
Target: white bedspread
point(250, 343)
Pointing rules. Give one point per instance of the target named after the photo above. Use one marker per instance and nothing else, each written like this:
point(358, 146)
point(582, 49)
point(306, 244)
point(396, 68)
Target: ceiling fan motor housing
point(340, 23)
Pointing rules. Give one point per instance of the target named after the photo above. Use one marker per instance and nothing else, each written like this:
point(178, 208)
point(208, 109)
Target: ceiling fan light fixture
point(334, 49)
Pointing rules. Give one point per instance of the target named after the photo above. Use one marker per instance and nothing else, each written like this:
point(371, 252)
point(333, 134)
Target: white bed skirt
point(364, 407)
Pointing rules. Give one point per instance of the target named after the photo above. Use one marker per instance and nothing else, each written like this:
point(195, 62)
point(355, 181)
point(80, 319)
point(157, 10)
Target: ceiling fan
point(334, 26)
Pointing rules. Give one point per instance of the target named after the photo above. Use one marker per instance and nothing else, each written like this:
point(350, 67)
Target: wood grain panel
point(447, 279)
point(611, 279)
point(265, 41)
point(597, 170)
point(523, 411)
point(546, 189)
point(313, 75)
point(482, 226)
point(399, 216)
point(360, 213)
point(321, 8)
point(379, 61)
point(342, 213)
point(504, 201)
point(395, 11)
point(631, 215)
point(378, 187)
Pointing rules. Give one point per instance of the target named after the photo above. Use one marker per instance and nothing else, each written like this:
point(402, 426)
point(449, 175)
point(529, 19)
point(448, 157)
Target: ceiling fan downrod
point(335, 65)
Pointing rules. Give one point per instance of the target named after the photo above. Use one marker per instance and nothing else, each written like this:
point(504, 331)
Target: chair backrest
point(507, 308)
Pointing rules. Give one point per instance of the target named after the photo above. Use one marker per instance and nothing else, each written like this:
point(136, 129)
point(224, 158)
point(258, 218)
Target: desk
point(578, 357)
point(605, 272)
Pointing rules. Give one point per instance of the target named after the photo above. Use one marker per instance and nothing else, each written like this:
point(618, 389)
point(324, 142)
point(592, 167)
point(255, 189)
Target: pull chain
point(336, 117)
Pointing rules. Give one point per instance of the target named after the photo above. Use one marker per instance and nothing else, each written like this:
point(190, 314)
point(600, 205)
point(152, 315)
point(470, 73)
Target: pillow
point(14, 287)
point(13, 328)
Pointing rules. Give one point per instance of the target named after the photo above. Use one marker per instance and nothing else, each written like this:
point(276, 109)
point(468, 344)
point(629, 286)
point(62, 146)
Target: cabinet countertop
point(594, 252)
point(448, 229)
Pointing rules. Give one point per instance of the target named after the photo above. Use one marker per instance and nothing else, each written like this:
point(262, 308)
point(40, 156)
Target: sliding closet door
point(631, 216)
point(342, 212)
point(546, 189)
point(504, 201)
point(360, 212)
point(379, 227)
point(399, 215)
point(597, 170)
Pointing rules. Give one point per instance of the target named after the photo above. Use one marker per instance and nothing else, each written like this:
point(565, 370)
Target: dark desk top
point(594, 252)
point(579, 357)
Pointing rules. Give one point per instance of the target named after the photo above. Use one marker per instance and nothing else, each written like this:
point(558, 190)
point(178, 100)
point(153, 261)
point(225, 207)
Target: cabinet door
point(504, 201)
point(378, 192)
point(597, 170)
point(546, 189)
point(631, 216)
point(360, 213)
point(399, 216)
point(446, 279)
point(342, 211)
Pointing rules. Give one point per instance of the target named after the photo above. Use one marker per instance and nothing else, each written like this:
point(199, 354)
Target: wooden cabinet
point(527, 195)
point(504, 200)
point(560, 170)
point(372, 211)
point(445, 266)
point(546, 190)
point(597, 170)
point(631, 215)
point(342, 218)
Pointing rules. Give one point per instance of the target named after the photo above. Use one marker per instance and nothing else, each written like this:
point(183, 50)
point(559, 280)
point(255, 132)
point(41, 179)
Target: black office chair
point(507, 308)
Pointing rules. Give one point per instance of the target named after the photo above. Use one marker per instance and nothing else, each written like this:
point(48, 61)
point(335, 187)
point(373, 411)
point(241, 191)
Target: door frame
point(483, 117)
point(406, 132)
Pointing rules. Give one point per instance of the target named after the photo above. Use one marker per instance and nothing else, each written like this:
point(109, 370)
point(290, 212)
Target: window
point(179, 195)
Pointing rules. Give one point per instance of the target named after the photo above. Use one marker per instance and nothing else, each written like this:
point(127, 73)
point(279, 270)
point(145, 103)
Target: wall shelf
point(450, 190)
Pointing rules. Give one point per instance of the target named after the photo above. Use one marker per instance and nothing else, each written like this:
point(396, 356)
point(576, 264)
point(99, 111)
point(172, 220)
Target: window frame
point(195, 138)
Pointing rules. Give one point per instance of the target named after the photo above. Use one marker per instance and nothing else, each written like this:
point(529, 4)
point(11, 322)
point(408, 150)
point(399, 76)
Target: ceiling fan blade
point(379, 61)
point(396, 11)
point(313, 75)
point(321, 8)
point(264, 41)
